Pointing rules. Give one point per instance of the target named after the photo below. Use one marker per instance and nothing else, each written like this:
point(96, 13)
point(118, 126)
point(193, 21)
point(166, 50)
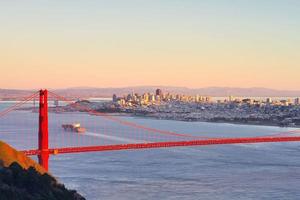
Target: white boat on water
point(76, 127)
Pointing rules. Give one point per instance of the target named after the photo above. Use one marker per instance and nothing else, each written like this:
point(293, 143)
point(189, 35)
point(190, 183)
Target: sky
point(117, 43)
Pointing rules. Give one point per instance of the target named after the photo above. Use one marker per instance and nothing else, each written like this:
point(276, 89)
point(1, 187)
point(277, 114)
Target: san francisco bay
point(243, 171)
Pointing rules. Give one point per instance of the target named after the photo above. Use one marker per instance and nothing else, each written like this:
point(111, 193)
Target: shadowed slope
point(21, 178)
point(8, 155)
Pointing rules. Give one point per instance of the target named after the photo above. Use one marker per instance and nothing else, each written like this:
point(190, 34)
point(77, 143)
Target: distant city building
point(284, 102)
point(129, 97)
point(158, 92)
point(248, 101)
point(297, 101)
point(146, 97)
point(157, 98)
point(289, 101)
point(152, 97)
point(121, 102)
point(135, 97)
point(115, 98)
point(197, 98)
point(208, 99)
point(269, 100)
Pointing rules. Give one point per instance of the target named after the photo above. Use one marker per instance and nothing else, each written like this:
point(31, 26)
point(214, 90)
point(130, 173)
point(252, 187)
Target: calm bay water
point(246, 171)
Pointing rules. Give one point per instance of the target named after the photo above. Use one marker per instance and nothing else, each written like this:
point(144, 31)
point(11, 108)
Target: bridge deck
point(164, 145)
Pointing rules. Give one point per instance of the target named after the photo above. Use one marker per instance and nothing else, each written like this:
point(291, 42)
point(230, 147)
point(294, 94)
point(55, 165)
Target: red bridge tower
point(43, 130)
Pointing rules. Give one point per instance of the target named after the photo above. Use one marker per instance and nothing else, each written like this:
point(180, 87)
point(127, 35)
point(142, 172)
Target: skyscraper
point(158, 92)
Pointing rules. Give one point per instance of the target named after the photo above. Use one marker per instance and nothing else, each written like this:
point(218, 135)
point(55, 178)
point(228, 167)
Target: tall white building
point(152, 97)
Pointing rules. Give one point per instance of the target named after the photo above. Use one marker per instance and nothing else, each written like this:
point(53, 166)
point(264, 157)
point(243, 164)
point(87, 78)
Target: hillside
point(8, 155)
point(21, 178)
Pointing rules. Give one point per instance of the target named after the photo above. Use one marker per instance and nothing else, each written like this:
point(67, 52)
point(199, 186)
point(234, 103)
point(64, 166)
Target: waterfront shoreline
point(206, 121)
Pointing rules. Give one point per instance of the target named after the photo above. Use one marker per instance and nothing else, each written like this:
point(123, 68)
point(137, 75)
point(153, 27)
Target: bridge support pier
point(43, 157)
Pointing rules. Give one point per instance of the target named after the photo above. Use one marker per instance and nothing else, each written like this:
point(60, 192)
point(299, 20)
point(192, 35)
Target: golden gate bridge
point(106, 132)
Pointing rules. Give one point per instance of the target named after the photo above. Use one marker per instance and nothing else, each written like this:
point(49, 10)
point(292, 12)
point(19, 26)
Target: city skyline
point(195, 44)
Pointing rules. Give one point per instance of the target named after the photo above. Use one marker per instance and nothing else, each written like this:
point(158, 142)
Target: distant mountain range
point(84, 92)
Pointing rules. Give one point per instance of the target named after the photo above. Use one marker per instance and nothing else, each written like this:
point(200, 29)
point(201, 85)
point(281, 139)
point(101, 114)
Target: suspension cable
point(18, 105)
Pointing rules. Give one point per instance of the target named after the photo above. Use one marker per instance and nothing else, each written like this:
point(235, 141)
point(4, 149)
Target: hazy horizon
point(152, 86)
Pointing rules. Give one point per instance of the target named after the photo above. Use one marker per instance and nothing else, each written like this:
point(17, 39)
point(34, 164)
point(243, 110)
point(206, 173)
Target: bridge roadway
point(150, 145)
